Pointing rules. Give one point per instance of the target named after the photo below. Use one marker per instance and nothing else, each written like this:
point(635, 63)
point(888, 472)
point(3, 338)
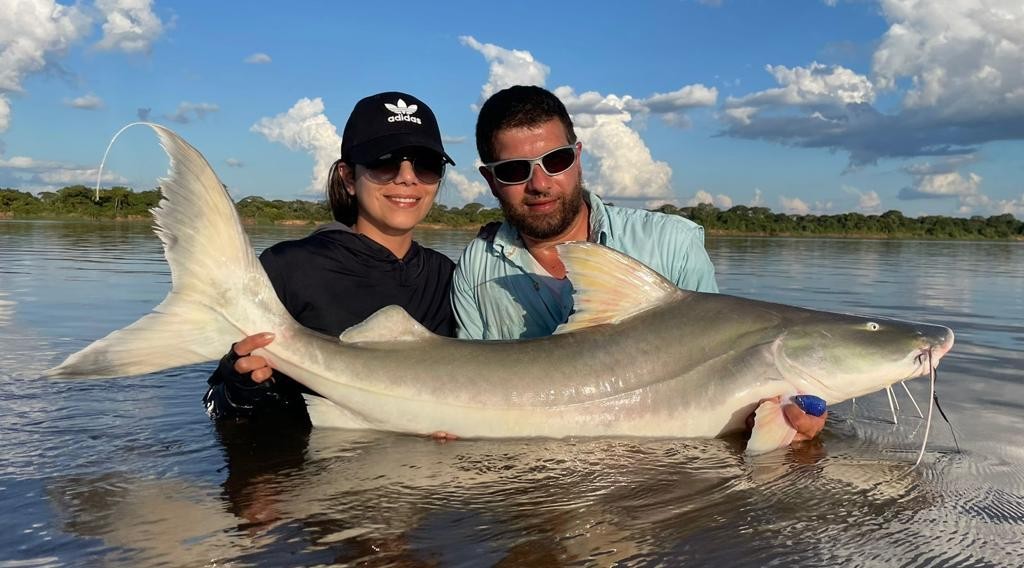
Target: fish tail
point(214, 274)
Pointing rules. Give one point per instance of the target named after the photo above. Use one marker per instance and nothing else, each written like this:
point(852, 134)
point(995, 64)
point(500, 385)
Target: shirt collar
point(508, 243)
point(600, 230)
point(368, 245)
point(334, 226)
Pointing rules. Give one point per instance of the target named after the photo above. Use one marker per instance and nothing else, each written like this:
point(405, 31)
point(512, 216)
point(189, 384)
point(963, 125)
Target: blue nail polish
point(810, 404)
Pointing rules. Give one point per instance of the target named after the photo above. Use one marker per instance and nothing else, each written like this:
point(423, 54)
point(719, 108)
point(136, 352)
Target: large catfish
point(639, 357)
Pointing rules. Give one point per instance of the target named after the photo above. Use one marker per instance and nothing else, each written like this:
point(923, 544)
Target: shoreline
point(713, 233)
point(853, 236)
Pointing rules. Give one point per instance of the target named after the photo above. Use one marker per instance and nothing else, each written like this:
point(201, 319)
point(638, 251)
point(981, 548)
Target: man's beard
point(548, 225)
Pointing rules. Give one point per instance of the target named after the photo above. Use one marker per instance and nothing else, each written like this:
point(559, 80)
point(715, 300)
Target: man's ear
point(490, 179)
point(348, 175)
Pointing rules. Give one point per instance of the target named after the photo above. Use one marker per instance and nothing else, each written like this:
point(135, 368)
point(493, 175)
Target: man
point(509, 282)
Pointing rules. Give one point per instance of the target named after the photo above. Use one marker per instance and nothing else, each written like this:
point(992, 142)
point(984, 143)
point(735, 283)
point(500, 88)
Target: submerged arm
point(246, 387)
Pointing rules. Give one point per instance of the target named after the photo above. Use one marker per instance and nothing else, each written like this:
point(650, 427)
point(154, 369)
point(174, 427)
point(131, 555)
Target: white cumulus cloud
point(305, 127)
point(867, 201)
point(31, 34)
point(943, 180)
point(670, 106)
point(974, 202)
point(258, 59)
point(85, 102)
point(690, 96)
point(508, 67)
point(794, 205)
point(815, 85)
point(955, 64)
point(625, 168)
point(47, 175)
point(129, 25)
point(720, 201)
point(962, 56)
point(620, 165)
point(949, 184)
point(5, 114)
point(1014, 207)
point(469, 190)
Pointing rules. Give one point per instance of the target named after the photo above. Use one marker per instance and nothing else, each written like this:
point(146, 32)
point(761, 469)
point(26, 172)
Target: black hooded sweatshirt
point(330, 281)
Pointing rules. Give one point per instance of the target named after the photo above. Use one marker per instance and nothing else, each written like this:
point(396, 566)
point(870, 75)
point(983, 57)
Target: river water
point(131, 472)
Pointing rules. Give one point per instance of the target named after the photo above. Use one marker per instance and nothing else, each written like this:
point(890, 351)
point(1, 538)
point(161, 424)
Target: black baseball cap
point(385, 122)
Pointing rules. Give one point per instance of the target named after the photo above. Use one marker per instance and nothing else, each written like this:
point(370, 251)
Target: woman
point(384, 184)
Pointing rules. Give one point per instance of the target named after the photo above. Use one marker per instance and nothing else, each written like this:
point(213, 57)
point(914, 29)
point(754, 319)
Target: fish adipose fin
point(771, 429)
point(214, 273)
point(390, 323)
point(609, 286)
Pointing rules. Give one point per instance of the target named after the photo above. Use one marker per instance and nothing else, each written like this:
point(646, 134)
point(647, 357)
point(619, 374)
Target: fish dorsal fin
point(609, 286)
point(390, 323)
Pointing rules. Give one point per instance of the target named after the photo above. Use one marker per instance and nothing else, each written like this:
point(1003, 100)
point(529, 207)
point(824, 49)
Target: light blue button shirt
point(499, 291)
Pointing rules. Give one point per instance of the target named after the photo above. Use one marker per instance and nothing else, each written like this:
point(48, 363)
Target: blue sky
point(820, 106)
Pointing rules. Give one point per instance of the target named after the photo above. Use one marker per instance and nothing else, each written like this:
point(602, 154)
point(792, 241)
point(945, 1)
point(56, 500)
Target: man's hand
point(806, 425)
point(259, 367)
point(442, 436)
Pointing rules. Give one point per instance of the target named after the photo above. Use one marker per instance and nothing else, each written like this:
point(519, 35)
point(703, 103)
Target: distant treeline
point(79, 202)
point(123, 203)
point(761, 221)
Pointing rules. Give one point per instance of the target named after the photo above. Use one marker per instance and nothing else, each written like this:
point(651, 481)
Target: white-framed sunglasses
point(520, 170)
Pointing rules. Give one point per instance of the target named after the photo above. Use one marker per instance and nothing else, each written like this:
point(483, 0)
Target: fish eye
point(872, 326)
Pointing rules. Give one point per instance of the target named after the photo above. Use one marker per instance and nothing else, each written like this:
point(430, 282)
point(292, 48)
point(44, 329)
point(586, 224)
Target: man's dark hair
point(518, 107)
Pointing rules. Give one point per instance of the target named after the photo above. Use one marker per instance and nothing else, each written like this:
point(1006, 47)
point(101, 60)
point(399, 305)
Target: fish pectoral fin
point(390, 323)
point(326, 414)
point(609, 286)
point(771, 429)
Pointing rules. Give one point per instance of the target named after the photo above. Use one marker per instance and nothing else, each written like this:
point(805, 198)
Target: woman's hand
point(259, 367)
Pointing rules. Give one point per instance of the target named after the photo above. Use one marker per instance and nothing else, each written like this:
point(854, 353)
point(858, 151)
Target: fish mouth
point(947, 344)
point(927, 357)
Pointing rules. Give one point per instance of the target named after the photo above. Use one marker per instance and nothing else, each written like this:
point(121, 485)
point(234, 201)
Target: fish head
point(840, 356)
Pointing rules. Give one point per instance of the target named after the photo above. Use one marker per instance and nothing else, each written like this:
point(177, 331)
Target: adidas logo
point(403, 112)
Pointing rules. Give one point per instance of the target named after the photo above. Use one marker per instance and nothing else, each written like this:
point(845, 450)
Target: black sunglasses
point(428, 166)
point(520, 170)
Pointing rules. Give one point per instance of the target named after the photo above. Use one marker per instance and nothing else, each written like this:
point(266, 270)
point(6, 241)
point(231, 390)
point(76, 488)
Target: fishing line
point(931, 404)
point(944, 417)
point(99, 174)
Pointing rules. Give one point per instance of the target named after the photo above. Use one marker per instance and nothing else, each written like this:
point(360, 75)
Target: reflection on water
point(131, 472)
point(6, 309)
point(412, 501)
